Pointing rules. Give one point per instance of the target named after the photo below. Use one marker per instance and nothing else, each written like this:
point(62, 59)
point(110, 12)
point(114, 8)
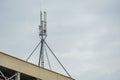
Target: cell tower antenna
point(43, 44)
point(42, 35)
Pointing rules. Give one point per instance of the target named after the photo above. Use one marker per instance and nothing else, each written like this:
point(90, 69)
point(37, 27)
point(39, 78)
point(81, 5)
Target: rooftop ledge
point(30, 69)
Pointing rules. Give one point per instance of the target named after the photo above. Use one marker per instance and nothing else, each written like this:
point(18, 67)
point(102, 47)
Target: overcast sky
point(84, 34)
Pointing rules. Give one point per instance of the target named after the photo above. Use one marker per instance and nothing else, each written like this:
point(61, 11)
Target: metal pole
point(41, 56)
point(17, 76)
point(57, 59)
point(33, 51)
point(41, 34)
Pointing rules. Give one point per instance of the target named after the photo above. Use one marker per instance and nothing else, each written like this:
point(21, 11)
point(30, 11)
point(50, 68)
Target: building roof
point(30, 69)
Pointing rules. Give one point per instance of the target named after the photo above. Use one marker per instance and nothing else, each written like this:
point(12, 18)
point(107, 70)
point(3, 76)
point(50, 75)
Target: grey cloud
point(84, 34)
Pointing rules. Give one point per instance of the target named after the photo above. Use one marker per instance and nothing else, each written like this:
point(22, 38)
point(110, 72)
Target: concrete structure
point(13, 68)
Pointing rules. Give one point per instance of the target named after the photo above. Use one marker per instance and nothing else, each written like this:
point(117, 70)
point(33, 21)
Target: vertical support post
point(17, 76)
point(41, 56)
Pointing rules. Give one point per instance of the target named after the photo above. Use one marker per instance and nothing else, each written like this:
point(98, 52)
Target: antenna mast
point(42, 35)
point(43, 44)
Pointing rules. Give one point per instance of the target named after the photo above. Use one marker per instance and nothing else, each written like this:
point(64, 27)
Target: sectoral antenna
point(43, 24)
